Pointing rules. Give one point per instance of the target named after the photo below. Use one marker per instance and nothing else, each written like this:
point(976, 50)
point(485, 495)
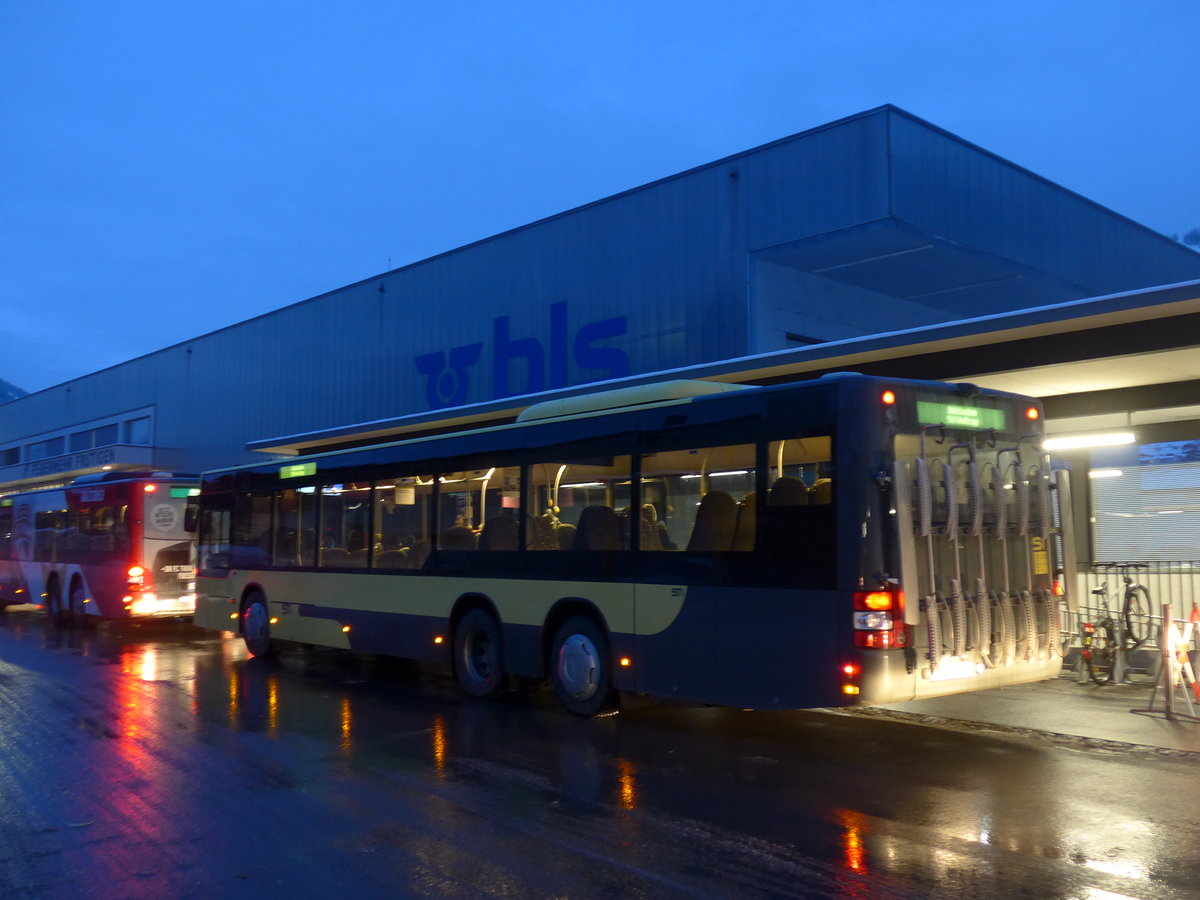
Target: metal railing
point(1175, 582)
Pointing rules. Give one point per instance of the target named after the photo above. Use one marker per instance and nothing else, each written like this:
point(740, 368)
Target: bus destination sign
point(956, 415)
point(298, 470)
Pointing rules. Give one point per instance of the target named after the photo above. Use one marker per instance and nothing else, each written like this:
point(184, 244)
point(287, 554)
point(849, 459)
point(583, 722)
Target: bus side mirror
point(190, 517)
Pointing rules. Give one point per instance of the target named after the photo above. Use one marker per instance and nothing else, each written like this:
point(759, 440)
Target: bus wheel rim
point(579, 666)
point(256, 622)
point(480, 656)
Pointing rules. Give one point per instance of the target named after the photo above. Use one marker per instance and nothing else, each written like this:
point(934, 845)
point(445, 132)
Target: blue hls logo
point(522, 365)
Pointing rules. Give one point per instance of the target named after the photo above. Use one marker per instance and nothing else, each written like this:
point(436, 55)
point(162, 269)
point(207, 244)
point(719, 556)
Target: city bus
point(109, 545)
point(846, 540)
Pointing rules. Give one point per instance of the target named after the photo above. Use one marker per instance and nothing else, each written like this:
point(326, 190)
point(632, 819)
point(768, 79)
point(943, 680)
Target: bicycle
point(1135, 604)
point(1099, 649)
point(1100, 643)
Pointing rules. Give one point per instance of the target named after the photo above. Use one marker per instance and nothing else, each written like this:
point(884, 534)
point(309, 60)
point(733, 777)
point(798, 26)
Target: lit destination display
point(956, 415)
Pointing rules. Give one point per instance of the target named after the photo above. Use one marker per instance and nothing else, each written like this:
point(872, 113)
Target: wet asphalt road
point(157, 761)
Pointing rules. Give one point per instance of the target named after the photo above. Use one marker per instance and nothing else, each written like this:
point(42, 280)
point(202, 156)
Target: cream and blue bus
point(846, 540)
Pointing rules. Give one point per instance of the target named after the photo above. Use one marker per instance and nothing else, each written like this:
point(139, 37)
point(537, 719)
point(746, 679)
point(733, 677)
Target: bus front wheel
point(256, 626)
point(580, 666)
point(479, 654)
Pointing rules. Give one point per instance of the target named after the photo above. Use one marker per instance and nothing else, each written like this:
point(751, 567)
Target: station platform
point(1120, 715)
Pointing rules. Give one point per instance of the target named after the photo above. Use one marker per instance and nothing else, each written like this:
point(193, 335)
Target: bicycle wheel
point(1100, 651)
point(1137, 615)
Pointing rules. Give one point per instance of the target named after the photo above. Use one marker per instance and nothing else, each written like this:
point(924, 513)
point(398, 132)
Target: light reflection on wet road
point(158, 761)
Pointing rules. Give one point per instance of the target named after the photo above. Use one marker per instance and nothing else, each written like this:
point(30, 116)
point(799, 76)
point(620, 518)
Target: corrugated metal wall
point(951, 188)
point(651, 279)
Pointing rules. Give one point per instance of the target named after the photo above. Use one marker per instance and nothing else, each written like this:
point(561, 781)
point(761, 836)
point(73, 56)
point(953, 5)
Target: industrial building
point(878, 242)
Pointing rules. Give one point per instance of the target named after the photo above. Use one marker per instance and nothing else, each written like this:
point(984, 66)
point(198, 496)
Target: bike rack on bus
point(931, 601)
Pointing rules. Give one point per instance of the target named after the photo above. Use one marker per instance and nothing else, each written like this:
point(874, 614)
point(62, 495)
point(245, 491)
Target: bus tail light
point(850, 673)
point(879, 620)
point(139, 586)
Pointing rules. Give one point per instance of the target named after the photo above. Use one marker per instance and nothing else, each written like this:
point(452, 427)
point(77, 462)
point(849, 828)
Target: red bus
point(107, 546)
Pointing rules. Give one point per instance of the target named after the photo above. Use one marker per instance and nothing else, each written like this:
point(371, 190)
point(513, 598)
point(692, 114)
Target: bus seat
point(418, 553)
point(392, 559)
point(564, 536)
point(499, 533)
point(650, 532)
point(599, 528)
point(335, 556)
point(743, 532)
point(358, 558)
point(716, 519)
point(821, 491)
point(540, 533)
point(788, 491)
point(458, 537)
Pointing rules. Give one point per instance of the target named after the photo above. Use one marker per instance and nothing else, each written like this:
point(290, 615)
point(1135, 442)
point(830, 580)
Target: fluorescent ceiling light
point(1084, 441)
point(1105, 473)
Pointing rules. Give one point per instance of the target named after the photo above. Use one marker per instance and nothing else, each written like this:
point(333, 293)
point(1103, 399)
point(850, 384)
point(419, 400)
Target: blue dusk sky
point(171, 167)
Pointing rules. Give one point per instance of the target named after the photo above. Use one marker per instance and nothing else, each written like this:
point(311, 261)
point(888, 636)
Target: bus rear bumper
point(162, 607)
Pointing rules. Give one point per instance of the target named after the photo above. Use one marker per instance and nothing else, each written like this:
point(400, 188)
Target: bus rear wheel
point(78, 609)
point(256, 626)
point(479, 654)
point(580, 667)
point(54, 603)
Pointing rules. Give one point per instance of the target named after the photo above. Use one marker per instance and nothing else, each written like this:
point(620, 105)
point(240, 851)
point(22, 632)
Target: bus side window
point(700, 500)
point(213, 533)
point(250, 540)
point(561, 492)
point(797, 523)
point(403, 507)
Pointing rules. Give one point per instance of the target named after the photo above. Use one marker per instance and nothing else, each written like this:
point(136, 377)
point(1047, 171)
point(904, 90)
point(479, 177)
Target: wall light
point(1087, 441)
